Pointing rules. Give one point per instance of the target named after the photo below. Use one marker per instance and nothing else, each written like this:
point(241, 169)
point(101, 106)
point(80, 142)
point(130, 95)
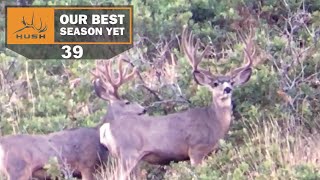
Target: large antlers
point(106, 78)
point(191, 50)
point(187, 42)
point(249, 52)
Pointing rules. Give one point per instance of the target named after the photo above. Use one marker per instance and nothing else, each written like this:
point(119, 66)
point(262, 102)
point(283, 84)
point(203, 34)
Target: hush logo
point(38, 29)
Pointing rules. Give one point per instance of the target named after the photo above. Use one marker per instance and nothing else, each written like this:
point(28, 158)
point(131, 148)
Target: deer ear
point(242, 77)
point(99, 90)
point(201, 78)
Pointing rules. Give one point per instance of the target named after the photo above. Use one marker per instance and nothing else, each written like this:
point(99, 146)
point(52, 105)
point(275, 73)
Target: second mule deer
point(24, 156)
point(191, 134)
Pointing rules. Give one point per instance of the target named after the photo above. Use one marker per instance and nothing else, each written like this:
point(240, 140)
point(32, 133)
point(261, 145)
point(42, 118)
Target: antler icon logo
point(36, 30)
point(31, 25)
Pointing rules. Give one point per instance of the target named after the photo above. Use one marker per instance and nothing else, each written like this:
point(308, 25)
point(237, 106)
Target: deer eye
point(215, 84)
point(127, 102)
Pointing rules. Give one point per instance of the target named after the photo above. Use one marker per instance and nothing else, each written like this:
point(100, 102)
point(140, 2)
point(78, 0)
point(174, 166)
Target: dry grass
point(279, 149)
point(112, 171)
point(269, 151)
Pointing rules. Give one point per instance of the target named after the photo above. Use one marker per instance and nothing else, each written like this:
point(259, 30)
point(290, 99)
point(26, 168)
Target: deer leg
point(197, 153)
point(17, 170)
point(19, 176)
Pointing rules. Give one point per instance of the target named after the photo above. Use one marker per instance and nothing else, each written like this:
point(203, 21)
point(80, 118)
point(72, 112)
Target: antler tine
point(191, 50)
point(107, 72)
point(130, 75)
point(249, 51)
point(127, 76)
point(120, 71)
point(111, 79)
point(184, 41)
point(104, 74)
point(123, 75)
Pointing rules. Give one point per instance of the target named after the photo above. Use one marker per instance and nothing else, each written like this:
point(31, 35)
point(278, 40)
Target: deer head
point(221, 86)
point(106, 86)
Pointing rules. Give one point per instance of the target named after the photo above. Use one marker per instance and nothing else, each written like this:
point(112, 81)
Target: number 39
point(77, 52)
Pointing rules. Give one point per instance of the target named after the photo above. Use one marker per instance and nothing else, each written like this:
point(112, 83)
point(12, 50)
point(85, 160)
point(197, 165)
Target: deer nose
point(227, 90)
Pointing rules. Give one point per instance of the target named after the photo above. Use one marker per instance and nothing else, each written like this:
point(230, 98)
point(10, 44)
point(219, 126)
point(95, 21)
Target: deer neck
point(221, 115)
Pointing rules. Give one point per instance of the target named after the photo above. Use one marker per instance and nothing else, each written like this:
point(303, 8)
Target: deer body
point(192, 134)
point(161, 139)
point(23, 156)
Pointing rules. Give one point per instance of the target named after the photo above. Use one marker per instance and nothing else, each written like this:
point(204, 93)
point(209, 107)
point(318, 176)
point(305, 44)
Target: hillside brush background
point(274, 134)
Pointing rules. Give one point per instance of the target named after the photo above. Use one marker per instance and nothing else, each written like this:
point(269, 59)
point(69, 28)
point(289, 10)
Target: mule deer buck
point(24, 156)
point(188, 135)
